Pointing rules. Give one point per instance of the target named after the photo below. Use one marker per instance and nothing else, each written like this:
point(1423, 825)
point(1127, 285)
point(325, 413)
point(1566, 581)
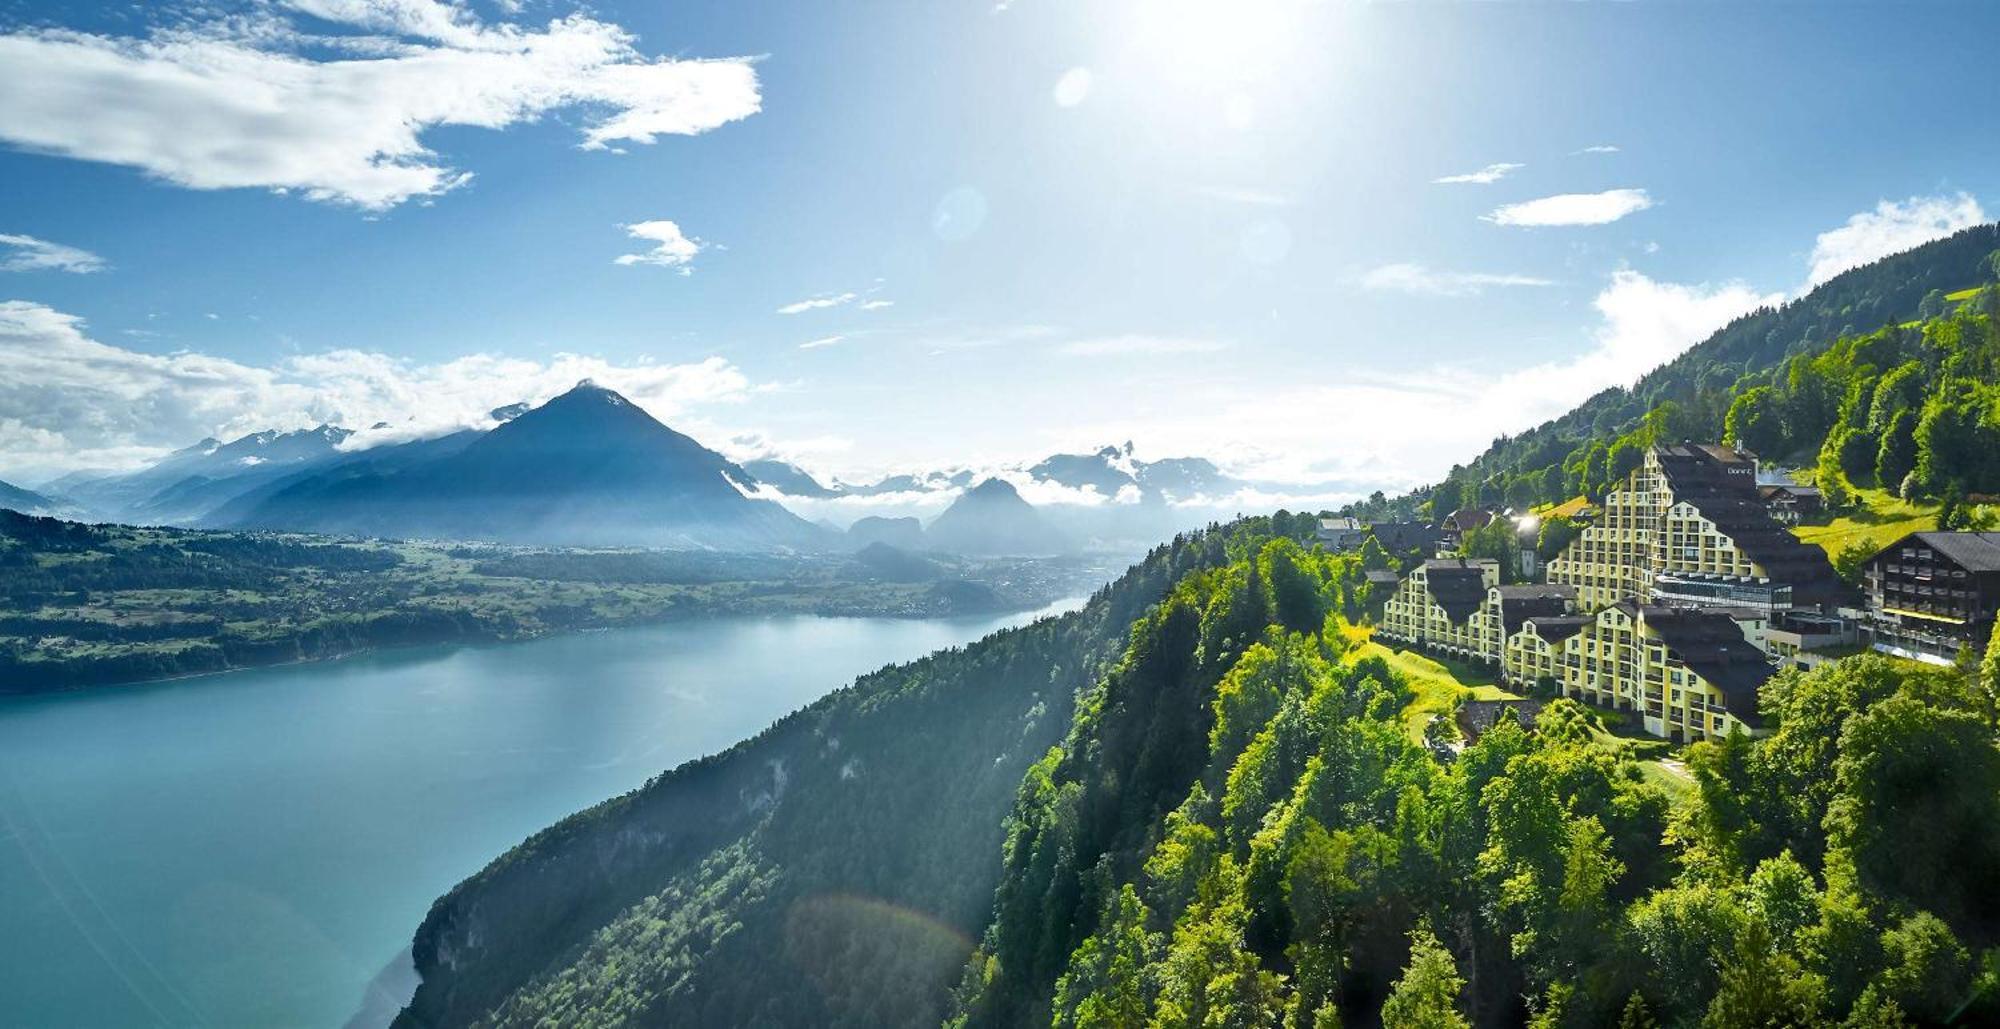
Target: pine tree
point(1426, 997)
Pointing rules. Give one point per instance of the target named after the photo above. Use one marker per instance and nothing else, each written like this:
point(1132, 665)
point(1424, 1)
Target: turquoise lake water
point(256, 848)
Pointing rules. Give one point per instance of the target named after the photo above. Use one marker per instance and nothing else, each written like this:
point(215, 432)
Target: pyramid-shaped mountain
point(992, 518)
point(589, 468)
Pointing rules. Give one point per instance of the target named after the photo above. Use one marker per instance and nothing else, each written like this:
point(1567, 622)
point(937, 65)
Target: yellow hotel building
point(1687, 527)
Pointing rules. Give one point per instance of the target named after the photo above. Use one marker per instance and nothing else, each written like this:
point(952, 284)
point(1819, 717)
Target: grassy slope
point(1880, 516)
point(1439, 685)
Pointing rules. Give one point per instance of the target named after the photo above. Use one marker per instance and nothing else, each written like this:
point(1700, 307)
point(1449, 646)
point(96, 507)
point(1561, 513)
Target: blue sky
point(1205, 228)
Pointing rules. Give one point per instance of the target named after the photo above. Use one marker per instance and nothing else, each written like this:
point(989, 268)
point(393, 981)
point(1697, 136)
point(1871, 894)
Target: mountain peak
point(994, 489)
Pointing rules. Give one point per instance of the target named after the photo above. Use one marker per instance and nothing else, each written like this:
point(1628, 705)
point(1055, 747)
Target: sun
point(1217, 44)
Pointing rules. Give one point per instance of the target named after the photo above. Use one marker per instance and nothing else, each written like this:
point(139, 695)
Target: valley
point(97, 605)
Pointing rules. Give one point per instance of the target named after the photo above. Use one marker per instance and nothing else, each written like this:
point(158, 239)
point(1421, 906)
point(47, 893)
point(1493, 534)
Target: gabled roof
point(1770, 546)
point(1340, 524)
point(1457, 585)
point(1400, 537)
point(1712, 646)
point(1972, 551)
point(1557, 628)
point(1707, 468)
point(1520, 603)
point(1467, 518)
point(1381, 576)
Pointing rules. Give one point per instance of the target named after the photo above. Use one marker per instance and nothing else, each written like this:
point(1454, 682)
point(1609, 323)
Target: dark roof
point(1972, 551)
point(1536, 591)
point(1706, 467)
point(1520, 603)
point(1769, 545)
point(1557, 628)
point(1402, 537)
point(1773, 489)
point(1457, 585)
point(1467, 518)
point(1713, 647)
point(1381, 576)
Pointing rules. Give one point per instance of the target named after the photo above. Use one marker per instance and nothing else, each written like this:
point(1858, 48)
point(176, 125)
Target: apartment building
point(1689, 528)
point(1433, 607)
point(1687, 673)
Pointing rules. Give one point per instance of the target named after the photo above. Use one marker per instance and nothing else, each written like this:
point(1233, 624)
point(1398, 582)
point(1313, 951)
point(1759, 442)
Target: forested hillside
point(834, 870)
point(1766, 378)
point(1237, 831)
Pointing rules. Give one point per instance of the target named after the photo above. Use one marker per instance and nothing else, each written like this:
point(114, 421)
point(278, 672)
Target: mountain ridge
point(588, 467)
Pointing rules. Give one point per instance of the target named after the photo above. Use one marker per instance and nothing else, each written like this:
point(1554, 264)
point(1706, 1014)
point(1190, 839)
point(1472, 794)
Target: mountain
point(831, 871)
point(930, 482)
point(1107, 471)
point(27, 501)
point(587, 468)
point(1241, 825)
point(786, 478)
point(1691, 396)
point(188, 483)
point(903, 533)
point(991, 518)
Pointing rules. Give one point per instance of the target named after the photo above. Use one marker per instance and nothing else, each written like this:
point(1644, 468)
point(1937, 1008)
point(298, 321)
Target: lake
point(254, 848)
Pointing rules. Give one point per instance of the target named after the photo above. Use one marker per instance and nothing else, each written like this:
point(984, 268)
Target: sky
point(1339, 245)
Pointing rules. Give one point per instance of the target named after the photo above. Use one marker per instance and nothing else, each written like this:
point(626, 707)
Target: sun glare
point(1203, 43)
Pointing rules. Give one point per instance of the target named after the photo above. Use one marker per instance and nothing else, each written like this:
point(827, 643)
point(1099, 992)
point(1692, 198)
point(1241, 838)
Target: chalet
point(1403, 538)
point(1340, 533)
point(1790, 504)
point(1459, 522)
point(1931, 594)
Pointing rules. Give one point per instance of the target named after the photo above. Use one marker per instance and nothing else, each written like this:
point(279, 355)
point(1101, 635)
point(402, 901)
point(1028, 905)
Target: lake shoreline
point(296, 823)
point(662, 616)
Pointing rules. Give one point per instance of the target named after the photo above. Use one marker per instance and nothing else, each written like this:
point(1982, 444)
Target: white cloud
point(1573, 208)
point(670, 249)
point(1409, 277)
point(819, 302)
point(68, 401)
point(28, 254)
point(1402, 428)
point(1645, 325)
point(1601, 148)
point(1134, 343)
point(1486, 176)
point(1889, 229)
point(261, 102)
point(877, 305)
point(823, 341)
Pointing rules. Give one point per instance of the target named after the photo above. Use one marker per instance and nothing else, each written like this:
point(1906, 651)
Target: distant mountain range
point(591, 468)
point(27, 501)
point(1112, 473)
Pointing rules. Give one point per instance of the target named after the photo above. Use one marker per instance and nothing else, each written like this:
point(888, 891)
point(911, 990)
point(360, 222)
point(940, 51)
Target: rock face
point(991, 518)
point(587, 468)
